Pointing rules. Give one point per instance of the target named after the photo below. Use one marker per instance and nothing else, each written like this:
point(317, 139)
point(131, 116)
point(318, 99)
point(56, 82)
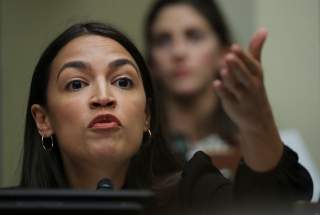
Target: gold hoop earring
point(149, 132)
point(47, 143)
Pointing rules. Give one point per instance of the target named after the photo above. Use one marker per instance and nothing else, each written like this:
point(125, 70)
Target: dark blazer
point(202, 187)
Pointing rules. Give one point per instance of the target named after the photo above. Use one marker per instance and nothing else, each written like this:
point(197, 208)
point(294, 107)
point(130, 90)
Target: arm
point(270, 170)
point(244, 99)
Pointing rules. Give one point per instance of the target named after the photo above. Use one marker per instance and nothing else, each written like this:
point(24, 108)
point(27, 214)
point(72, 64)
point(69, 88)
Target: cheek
point(67, 119)
point(160, 63)
point(207, 59)
point(158, 56)
point(133, 112)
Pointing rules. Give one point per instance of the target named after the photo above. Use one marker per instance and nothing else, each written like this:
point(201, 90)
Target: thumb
point(257, 42)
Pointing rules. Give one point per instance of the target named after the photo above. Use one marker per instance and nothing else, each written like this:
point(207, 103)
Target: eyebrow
point(73, 64)
point(122, 62)
point(83, 66)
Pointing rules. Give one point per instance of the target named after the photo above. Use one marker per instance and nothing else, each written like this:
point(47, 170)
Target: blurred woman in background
point(185, 43)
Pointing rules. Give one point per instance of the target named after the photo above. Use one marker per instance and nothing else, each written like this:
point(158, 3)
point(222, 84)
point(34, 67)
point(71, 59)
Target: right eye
point(162, 40)
point(76, 85)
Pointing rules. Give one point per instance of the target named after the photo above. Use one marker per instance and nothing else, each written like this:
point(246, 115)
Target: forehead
point(92, 47)
point(184, 16)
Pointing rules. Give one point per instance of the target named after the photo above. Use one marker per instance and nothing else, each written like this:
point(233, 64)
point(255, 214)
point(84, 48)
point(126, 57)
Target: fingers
point(238, 69)
point(233, 86)
point(228, 80)
point(257, 42)
point(223, 92)
point(241, 70)
point(251, 64)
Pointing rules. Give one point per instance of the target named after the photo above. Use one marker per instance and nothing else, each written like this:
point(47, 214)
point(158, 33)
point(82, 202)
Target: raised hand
point(244, 99)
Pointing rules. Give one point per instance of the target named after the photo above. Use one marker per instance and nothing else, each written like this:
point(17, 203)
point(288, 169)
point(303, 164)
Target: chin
point(103, 147)
point(186, 91)
point(112, 151)
point(188, 87)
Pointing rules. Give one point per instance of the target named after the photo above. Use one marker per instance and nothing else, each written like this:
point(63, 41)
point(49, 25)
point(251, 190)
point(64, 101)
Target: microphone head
point(105, 184)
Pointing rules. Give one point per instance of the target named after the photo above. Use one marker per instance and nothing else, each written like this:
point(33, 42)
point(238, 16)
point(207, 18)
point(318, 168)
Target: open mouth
point(105, 121)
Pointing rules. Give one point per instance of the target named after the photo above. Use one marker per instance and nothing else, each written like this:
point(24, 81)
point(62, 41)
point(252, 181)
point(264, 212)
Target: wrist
point(262, 150)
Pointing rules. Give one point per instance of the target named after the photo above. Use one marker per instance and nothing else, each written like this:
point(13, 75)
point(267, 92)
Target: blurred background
point(291, 60)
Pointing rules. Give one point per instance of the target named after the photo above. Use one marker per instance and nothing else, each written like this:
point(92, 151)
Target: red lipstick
point(105, 121)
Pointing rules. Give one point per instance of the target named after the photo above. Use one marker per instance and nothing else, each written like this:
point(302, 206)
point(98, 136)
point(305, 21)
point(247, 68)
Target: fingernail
point(236, 47)
point(230, 56)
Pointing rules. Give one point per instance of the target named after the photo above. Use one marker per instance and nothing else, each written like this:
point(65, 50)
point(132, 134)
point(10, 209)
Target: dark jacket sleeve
point(202, 186)
point(286, 183)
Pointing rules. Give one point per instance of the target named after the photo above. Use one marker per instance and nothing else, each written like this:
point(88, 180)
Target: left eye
point(124, 82)
point(75, 85)
point(195, 35)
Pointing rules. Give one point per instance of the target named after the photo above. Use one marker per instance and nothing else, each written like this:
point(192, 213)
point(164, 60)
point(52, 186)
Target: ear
point(148, 115)
point(42, 120)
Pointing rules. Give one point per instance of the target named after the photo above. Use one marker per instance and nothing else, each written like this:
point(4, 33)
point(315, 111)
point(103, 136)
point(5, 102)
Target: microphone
point(105, 184)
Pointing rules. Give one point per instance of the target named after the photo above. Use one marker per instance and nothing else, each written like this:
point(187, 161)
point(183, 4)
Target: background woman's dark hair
point(211, 11)
point(41, 169)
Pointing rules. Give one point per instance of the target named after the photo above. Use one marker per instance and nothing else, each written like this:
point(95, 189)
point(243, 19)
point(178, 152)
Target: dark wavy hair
point(41, 169)
point(211, 11)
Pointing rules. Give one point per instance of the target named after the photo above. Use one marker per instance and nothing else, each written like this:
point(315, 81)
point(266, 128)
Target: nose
point(179, 49)
point(103, 97)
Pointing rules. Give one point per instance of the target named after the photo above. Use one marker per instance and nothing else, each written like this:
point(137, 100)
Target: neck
point(192, 116)
point(86, 175)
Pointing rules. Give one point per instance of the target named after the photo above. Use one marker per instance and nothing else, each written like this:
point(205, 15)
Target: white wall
point(292, 71)
point(240, 17)
point(291, 61)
